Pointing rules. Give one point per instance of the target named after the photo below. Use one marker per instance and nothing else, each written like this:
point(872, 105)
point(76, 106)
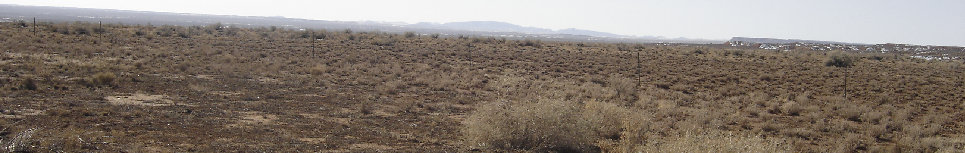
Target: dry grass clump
point(714, 141)
point(792, 108)
point(383, 41)
point(100, 79)
point(531, 43)
point(546, 125)
point(391, 87)
point(626, 89)
point(930, 144)
point(317, 70)
point(606, 119)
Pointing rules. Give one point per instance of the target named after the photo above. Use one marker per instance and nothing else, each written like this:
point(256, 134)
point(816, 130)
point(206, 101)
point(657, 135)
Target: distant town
point(926, 52)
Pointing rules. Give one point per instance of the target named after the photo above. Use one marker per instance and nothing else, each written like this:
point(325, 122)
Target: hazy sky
point(927, 22)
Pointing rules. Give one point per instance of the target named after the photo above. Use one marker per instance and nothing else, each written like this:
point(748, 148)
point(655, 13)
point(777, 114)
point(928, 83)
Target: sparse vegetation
point(714, 141)
point(384, 41)
point(208, 89)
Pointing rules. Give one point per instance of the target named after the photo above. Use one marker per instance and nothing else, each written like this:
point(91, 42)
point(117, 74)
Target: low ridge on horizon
point(499, 26)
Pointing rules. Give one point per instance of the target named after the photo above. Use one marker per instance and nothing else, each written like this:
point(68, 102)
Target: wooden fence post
point(639, 69)
point(313, 43)
point(35, 26)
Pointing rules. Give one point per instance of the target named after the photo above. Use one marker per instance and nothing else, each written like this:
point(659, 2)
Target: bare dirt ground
point(125, 88)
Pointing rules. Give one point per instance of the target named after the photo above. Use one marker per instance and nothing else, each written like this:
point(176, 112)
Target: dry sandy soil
point(80, 88)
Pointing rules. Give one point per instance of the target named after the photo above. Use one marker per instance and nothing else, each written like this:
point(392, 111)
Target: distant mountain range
point(484, 26)
point(10, 13)
point(495, 26)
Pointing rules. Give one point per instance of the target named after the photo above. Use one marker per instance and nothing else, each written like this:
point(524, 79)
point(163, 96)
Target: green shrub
point(28, 84)
point(531, 43)
point(140, 33)
point(409, 34)
point(21, 23)
point(217, 26)
point(321, 35)
point(165, 31)
point(840, 60)
point(184, 34)
point(81, 30)
point(62, 29)
point(99, 30)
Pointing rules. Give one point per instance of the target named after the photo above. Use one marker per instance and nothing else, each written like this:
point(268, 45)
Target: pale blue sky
point(926, 22)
